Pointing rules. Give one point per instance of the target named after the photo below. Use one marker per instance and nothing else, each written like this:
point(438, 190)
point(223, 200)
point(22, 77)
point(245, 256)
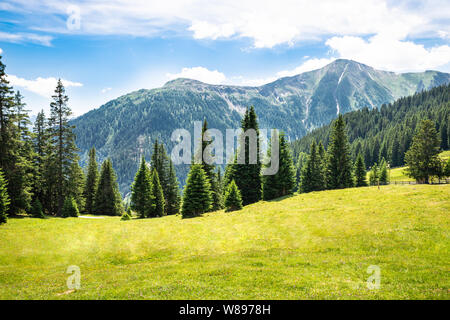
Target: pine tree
point(75, 183)
point(283, 182)
point(107, 197)
point(161, 162)
point(247, 175)
point(91, 182)
point(197, 198)
point(40, 144)
point(374, 175)
point(173, 192)
point(70, 208)
point(312, 175)
point(142, 199)
point(157, 192)
point(63, 141)
point(36, 209)
point(4, 198)
point(233, 199)
point(360, 171)
point(383, 176)
point(422, 157)
point(395, 154)
point(339, 167)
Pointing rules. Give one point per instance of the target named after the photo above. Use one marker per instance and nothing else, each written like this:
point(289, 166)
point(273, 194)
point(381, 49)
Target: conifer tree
point(63, 141)
point(36, 209)
point(374, 175)
point(173, 192)
point(108, 200)
point(312, 175)
point(158, 209)
point(40, 143)
point(70, 208)
point(197, 198)
point(339, 167)
point(323, 163)
point(360, 171)
point(233, 199)
point(142, 199)
point(91, 182)
point(75, 183)
point(160, 161)
point(283, 182)
point(383, 173)
point(422, 157)
point(4, 199)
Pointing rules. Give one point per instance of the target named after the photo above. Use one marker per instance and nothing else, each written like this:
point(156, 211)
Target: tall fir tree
point(63, 141)
point(173, 192)
point(4, 198)
point(75, 184)
point(142, 198)
point(158, 209)
point(360, 172)
point(108, 200)
point(312, 175)
point(422, 157)
point(91, 182)
point(160, 161)
point(339, 166)
point(233, 199)
point(40, 144)
point(283, 182)
point(197, 198)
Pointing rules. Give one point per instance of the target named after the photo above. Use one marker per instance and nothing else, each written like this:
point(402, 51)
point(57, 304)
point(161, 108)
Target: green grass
point(309, 246)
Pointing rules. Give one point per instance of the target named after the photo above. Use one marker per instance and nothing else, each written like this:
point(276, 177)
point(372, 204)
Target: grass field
point(309, 246)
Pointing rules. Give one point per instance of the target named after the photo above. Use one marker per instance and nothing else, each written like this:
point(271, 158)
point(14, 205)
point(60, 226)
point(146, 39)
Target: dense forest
point(386, 132)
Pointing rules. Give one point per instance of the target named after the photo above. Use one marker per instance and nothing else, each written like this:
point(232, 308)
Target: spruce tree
point(75, 184)
point(383, 175)
point(158, 209)
point(36, 209)
point(63, 141)
point(4, 199)
point(360, 172)
point(233, 199)
point(142, 199)
point(108, 200)
point(312, 175)
point(40, 144)
point(374, 175)
point(283, 182)
point(91, 182)
point(339, 167)
point(173, 192)
point(70, 208)
point(197, 198)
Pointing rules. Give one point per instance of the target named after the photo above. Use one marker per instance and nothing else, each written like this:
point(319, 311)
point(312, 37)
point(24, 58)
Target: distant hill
point(125, 127)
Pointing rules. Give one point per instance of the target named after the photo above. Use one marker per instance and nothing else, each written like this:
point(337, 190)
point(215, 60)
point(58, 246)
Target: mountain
point(125, 127)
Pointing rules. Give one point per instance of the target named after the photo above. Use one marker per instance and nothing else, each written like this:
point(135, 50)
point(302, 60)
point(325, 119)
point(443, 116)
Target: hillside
point(309, 246)
point(125, 127)
point(388, 131)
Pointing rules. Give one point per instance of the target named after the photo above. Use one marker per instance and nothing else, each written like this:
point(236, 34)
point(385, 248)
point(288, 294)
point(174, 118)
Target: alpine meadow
point(231, 151)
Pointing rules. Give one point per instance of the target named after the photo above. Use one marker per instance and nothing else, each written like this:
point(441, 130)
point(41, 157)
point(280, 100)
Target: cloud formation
point(44, 40)
point(199, 73)
point(44, 87)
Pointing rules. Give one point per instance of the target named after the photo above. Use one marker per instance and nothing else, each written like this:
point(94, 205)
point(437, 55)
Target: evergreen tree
point(75, 184)
point(91, 182)
point(161, 162)
point(173, 192)
point(126, 215)
point(283, 182)
point(36, 209)
point(312, 175)
point(63, 141)
point(40, 143)
point(158, 209)
point(383, 175)
point(395, 154)
point(323, 163)
point(422, 157)
point(339, 167)
point(4, 198)
point(447, 168)
point(444, 135)
point(197, 198)
point(107, 197)
point(374, 175)
point(70, 208)
point(233, 199)
point(360, 171)
point(142, 199)
point(247, 175)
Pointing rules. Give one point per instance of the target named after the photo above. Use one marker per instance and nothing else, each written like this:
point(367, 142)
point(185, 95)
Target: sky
point(106, 48)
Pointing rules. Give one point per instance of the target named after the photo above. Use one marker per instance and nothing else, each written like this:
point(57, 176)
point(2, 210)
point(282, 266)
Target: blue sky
point(103, 49)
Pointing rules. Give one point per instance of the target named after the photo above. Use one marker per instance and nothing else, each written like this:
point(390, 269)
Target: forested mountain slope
point(125, 127)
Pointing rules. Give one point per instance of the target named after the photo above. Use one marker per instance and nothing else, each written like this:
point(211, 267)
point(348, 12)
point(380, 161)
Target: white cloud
point(199, 73)
point(267, 23)
point(386, 52)
point(104, 90)
point(26, 37)
point(44, 87)
point(1, 50)
point(308, 65)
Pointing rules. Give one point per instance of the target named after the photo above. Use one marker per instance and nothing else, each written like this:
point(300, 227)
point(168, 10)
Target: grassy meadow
point(308, 246)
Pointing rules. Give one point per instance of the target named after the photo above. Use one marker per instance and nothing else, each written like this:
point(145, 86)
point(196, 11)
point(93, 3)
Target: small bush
point(70, 208)
point(233, 199)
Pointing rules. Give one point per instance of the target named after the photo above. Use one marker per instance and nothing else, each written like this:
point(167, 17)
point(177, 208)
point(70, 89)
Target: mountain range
point(125, 128)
